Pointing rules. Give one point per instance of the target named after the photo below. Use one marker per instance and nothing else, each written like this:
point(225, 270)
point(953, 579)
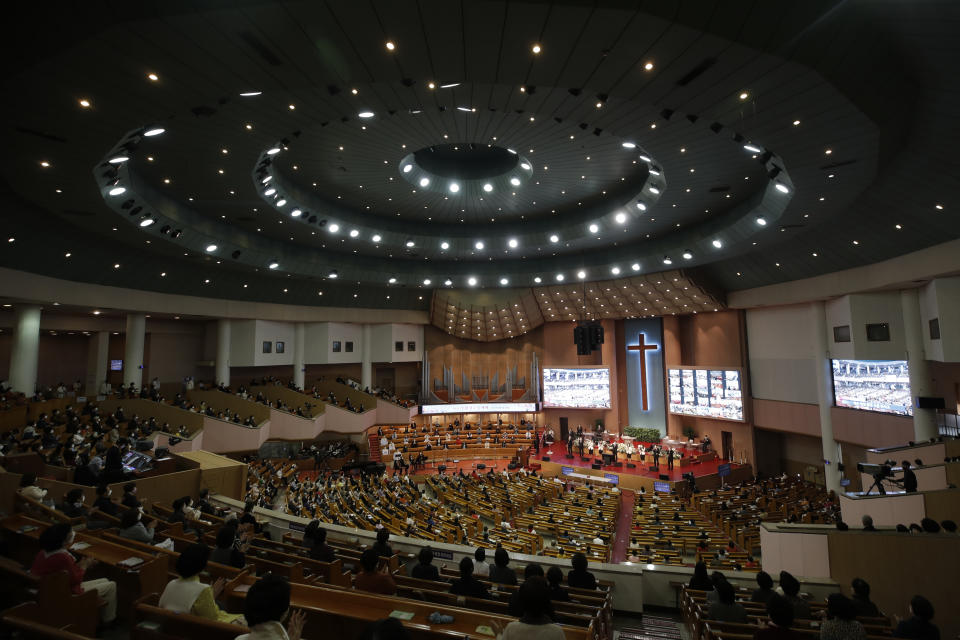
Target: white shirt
point(266, 631)
point(517, 630)
point(481, 567)
point(180, 594)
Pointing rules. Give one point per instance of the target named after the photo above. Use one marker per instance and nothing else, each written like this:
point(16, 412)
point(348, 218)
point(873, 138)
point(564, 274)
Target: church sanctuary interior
point(486, 319)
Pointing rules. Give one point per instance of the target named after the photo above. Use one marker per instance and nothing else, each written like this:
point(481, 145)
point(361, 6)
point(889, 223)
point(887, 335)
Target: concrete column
point(25, 351)
point(924, 420)
point(97, 353)
point(366, 363)
point(299, 348)
point(133, 350)
point(831, 455)
point(222, 364)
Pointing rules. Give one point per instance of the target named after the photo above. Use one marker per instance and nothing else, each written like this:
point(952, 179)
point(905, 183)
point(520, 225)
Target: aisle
point(621, 538)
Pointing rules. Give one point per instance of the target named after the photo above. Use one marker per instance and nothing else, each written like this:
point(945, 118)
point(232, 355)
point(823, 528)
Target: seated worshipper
point(380, 546)
point(480, 566)
point(370, 579)
point(535, 623)
point(791, 591)
point(226, 551)
point(861, 599)
point(424, 569)
point(532, 570)
point(129, 499)
point(918, 625)
point(700, 580)
point(205, 506)
point(764, 588)
point(867, 522)
point(104, 504)
point(73, 507)
point(467, 585)
point(266, 604)
point(841, 622)
point(179, 514)
point(187, 594)
point(500, 573)
point(315, 539)
point(29, 488)
point(249, 518)
point(726, 609)
point(54, 557)
point(579, 577)
point(554, 578)
point(131, 527)
point(780, 618)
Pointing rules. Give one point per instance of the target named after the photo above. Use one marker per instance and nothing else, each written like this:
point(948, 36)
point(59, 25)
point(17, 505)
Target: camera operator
point(909, 478)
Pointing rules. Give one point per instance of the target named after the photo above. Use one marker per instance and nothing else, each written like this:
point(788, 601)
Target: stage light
point(472, 281)
point(444, 245)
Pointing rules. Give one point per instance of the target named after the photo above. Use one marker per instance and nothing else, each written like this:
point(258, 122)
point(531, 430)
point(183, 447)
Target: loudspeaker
point(617, 464)
point(546, 458)
point(924, 402)
point(630, 465)
point(569, 457)
point(664, 476)
point(481, 465)
point(585, 459)
point(654, 469)
point(596, 465)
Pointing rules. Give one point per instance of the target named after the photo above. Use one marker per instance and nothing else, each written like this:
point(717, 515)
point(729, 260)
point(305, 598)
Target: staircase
point(652, 628)
point(375, 448)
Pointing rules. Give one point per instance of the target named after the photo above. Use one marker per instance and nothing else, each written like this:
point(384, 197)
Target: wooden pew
point(154, 623)
point(57, 603)
point(32, 623)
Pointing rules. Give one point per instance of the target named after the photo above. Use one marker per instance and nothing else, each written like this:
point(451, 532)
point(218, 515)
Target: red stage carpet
point(559, 456)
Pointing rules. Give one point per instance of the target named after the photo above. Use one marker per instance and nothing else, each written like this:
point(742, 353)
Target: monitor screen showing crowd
point(577, 388)
point(710, 393)
point(873, 385)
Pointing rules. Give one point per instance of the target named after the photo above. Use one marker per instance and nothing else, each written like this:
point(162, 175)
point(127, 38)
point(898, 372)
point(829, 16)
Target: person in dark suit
point(909, 478)
point(467, 585)
point(656, 456)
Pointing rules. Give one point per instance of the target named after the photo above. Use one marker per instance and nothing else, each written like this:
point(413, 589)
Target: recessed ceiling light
point(444, 245)
point(146, 222)
point(525, 166)
point(426, 282)
point(744, 95)
point(581, 274)
point(504, 281)
point(939, 207)
point(559, 277)
point(478, 245)
point(154, 132)
point(648, 66)
point(117, 266)
point(782, 188)
point(390, 45)
point(449, 85)
point(654, 189)
point(472, 281)
point(717, 243)
point(376, 237)
point(593, 228)
point(332, 275)
point(273, 151)
point(621, 217)
point(365, 114)
point(536, 48)
point(96, 312)
point(84, 103)
point(273, 264)
point(407, 168)
point(512, 242)
point(270, 191)
point(827, 152)
point(629, 145)
point(537, 280)
point(752, 148)
point(454, 187)
point(488, 187)
point(334, 227)
point(515, 181)
point(687, 255)
point(118, 159)
point(554, 238)
point(635, 266)
point(281, 202)
point(424, 182)
point(409, 244)
point(116, 191)
point(761, 221)
point(211, 248)
point(667, 260)
point(250, 94)
point(354, 233)
point(296, 213)
point(152, 76)
point(615, 270)
point(796, 123)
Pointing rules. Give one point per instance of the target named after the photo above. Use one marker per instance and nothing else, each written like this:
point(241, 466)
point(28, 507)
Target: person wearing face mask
point(130, 500)
point(132, 528)
point(103, 502)
point(54, 557)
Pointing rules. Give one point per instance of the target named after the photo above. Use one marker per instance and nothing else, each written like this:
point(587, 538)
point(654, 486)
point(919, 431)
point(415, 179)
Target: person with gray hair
point(867, 522)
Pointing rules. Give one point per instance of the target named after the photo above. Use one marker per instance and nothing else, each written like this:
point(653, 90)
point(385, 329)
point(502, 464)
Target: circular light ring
point(414, 173)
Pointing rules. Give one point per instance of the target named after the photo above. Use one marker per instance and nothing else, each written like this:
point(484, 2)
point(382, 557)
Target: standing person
point(909, 478)
point(266, 604)
point(656, 456)
point(536, 621)
point(53, 557)
point(670, 459)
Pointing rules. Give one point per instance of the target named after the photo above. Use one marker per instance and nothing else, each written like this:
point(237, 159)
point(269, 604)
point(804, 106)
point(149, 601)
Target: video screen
point(577, 388)
point(873, 385)
point(116, 365)
point(709, 393)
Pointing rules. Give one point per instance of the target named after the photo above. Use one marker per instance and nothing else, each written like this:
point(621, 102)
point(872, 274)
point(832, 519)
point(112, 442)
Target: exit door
point(564, 429)
point(726, 444)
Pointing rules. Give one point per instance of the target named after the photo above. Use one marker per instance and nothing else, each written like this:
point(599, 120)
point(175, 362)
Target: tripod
point(877, 484)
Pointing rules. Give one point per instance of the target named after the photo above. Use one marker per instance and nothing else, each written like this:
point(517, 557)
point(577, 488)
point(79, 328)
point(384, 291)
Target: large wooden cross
point(643, 348)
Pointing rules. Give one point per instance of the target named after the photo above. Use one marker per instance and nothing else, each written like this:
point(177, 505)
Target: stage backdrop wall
point(645, 364)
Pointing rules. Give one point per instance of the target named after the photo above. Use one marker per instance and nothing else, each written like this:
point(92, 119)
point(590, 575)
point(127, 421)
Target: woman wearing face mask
point(54, 557)
point(132, 528)
point(103, 502)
